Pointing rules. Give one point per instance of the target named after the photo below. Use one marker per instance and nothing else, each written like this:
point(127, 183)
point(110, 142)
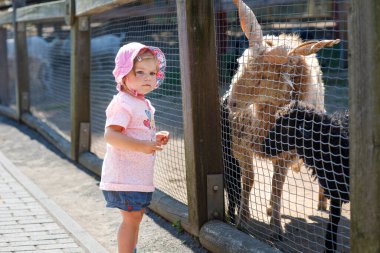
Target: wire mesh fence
point(49, 74)
point(152, 24)
point(259, 80)
point(279, 196)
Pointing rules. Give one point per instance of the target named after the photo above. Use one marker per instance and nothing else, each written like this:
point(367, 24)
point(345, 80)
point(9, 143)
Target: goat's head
point(273, 68)
point(292, 130)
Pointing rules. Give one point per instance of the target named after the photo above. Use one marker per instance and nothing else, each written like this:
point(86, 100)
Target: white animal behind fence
point(104, 49)
point(40, 72)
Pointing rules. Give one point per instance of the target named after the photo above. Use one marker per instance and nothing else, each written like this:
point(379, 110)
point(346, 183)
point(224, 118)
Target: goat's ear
point(249, 23)
point(276, 55)
point(311, 47)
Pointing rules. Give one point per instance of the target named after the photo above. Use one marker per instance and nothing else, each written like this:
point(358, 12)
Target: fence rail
point(56, 61)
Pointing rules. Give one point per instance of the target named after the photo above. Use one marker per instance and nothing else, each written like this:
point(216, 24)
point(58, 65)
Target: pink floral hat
point(124, 62)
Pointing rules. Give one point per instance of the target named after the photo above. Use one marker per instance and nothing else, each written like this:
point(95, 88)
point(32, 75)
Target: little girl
point(130, 133)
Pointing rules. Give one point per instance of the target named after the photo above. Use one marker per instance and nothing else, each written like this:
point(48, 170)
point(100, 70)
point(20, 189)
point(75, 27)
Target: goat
point(232, 176)
point(322, 142)
point(272, 72)
point(39, 65)
point(103, 50)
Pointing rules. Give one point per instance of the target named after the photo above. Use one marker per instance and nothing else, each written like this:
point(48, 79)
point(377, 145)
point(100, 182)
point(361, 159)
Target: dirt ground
point(76, 191)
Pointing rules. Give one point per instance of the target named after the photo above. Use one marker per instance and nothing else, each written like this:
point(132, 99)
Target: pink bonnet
point(126, 55)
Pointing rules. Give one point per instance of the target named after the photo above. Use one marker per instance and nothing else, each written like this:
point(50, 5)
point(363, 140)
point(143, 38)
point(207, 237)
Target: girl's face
point(142, 78)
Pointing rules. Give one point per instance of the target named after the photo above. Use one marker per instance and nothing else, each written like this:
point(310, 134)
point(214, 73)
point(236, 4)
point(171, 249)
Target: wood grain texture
point(5, 88)
point(5, 18)
point(80, 80)
point(200, 104)
point(364, 76)
point(42, 12)
point(91, 7)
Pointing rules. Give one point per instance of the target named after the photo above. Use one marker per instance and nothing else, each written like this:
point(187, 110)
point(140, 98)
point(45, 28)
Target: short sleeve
point(117, 114)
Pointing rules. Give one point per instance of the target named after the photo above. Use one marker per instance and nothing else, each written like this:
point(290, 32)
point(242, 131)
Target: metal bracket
point(215, 197)
point(84, 137)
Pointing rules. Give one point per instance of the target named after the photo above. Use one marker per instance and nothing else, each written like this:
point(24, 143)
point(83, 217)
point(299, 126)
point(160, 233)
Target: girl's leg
point(142, 211)
point(128, 231)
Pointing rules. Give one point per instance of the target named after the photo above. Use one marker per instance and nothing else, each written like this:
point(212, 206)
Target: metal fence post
point(203, 152)
point(364, 76)
point(80, 85)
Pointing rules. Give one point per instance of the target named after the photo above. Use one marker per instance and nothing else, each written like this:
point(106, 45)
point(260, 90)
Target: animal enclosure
point(254, 67)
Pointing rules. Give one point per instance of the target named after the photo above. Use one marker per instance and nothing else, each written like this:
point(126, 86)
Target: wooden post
point(80, 86)
point(204, 165)
point(364, 76)
point(22, 69)
point(4, 77)
point(21, 62)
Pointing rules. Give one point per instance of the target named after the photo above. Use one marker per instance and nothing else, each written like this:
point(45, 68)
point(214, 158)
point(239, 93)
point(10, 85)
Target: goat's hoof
point(277, 230)
point(269, 211)
point(239, 222)
point(240, 225)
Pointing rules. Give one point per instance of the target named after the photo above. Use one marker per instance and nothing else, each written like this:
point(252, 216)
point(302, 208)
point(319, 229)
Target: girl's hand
point(162, 137)
point(149, 147)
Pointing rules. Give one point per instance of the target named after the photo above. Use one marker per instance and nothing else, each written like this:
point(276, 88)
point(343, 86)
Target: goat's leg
point(247, 184)
point(280, 171)
point(236, 192)
point(322, 200)
point(232, 180)
point(230, 198)
point(295, 166)
point(332, 227)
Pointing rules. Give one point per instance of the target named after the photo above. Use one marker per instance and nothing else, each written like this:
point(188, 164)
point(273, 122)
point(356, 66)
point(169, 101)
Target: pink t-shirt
point(126, 170)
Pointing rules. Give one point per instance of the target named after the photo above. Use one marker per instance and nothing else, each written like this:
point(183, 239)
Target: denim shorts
point(127, 201)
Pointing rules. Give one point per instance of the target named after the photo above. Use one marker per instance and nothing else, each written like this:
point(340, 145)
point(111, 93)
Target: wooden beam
point(80, 82)
point(6, 18)
point(91, 7)
point(203, 151)
point(364, 90)
point(4, 77)
point(22, 69)
point(136, 11)
point(42, 12)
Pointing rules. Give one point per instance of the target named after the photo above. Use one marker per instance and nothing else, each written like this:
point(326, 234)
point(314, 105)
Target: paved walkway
point(51, 204)
point(31, 222)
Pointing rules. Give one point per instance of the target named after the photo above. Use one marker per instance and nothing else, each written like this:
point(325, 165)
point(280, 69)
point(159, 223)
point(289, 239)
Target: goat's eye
point(234, 104)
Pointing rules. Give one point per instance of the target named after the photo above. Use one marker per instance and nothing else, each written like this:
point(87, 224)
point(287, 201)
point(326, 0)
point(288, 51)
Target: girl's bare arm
point(114, 137)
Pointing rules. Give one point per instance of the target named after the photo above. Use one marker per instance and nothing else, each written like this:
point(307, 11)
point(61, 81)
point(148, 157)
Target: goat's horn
point(311, 47)
point(249, 23)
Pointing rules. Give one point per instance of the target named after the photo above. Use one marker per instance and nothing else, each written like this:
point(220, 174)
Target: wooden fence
point(204, 214)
